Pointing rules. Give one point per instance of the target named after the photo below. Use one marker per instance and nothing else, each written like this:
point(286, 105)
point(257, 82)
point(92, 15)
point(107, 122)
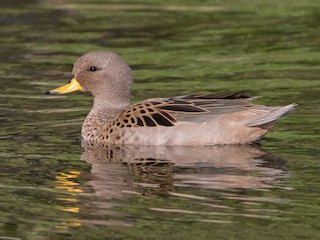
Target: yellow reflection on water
point(67, 181)
point(69, 209)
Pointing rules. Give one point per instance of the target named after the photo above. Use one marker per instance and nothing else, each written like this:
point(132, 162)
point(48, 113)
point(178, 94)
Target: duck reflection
point(121, 171)
point(206, 174)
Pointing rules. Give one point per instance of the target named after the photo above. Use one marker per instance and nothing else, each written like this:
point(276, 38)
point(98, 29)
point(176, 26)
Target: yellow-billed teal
point(184, 120)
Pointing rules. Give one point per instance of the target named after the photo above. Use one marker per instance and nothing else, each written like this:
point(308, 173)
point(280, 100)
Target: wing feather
point(168, 111)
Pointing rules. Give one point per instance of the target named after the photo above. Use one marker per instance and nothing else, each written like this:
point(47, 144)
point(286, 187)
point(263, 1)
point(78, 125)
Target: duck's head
point(102, 73)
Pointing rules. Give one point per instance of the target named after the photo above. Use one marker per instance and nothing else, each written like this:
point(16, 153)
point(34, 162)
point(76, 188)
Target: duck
point(188, 120)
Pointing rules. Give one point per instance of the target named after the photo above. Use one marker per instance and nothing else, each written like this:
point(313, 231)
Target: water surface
point(52, 188)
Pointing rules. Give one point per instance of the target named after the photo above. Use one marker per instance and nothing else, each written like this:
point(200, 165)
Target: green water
point(52, 188)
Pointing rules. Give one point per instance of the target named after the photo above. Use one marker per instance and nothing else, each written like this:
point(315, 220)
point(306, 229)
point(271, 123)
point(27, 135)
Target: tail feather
point(272, 116)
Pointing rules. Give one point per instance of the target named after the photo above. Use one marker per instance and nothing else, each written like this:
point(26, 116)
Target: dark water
point(52, 188)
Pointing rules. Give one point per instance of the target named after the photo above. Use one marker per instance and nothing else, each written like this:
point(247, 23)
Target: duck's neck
point(108, 108)
point(101, 114)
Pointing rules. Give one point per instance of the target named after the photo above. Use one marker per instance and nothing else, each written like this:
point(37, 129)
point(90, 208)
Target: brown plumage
point(185, 120)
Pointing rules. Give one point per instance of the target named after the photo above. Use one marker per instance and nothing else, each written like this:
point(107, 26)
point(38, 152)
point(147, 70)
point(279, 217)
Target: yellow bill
point(72, 86)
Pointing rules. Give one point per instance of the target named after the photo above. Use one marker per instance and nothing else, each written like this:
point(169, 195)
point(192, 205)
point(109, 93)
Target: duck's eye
point(92, 69)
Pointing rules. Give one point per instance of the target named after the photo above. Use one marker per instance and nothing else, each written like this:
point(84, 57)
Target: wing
point(168, 111)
